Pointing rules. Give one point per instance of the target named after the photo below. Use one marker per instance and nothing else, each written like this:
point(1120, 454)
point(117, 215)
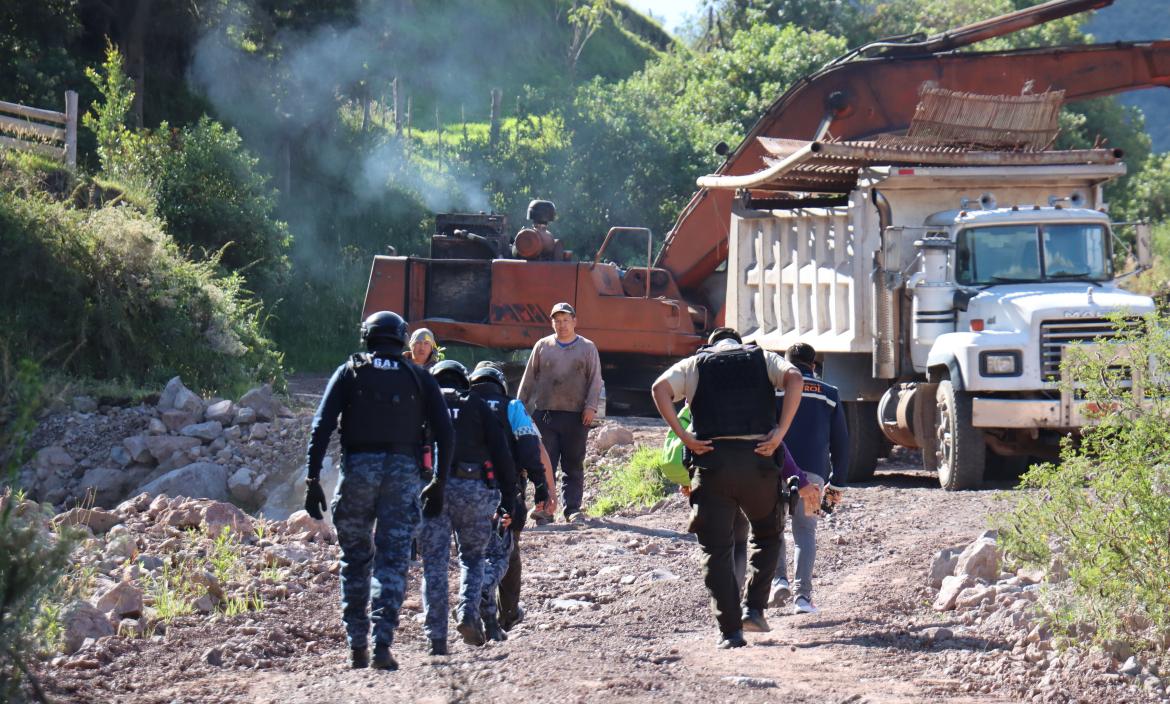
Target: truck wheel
point(866, 442)
point(961, 451)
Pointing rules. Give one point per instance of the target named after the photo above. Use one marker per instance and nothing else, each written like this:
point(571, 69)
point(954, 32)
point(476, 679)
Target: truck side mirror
point(1143, 237)
point(962, 297)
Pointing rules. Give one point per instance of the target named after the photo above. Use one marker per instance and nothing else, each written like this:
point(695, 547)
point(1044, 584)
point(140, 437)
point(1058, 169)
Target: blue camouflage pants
point(375, 512)
point(468, 506)
point(495, 564)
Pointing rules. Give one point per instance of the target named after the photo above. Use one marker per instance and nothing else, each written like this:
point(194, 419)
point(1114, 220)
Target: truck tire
point(866, 442)
point(962, 453)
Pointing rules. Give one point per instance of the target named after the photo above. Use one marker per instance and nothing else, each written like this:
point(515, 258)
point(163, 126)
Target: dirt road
point(616, 612)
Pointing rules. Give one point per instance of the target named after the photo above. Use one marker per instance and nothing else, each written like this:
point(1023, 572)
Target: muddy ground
point(616, 611)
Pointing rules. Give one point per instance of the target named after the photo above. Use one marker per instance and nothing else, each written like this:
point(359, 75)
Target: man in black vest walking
point(384, 402)
point(482, 479)
point(730, 387)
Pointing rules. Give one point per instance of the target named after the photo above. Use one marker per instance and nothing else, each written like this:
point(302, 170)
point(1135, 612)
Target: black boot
point(754, 621)
point(438, 646)
point(359, 658)
point(491, 627)
point(472, 633)
point(383, 660)
point(732, 640)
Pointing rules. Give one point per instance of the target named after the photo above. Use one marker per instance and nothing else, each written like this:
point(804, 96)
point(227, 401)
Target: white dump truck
point(938, 285)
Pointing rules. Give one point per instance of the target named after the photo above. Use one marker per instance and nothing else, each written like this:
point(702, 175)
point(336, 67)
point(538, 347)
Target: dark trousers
point(564, 437)
point(728, 479)
point(509, 601)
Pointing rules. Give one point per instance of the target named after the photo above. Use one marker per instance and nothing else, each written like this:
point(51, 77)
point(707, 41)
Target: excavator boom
point(859, 99)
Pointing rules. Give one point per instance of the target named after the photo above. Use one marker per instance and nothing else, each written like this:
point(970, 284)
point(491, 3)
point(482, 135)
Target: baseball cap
point(563, 307)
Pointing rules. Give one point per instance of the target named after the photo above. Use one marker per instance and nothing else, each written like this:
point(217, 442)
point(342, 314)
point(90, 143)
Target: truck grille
point(1055, 334)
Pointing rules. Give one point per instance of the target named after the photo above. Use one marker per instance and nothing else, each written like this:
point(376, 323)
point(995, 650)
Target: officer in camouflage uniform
point(502, 565)
point(482, 478)
point(384, 403)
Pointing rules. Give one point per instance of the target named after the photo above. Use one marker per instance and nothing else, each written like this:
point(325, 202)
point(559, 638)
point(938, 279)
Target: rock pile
point(1006, 607)
point(152, 560)
point(183, 445)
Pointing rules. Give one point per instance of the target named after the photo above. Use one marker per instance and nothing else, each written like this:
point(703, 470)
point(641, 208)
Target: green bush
point(638, 483)
point(32, 562)
point(107, 294)
point(214, 198)
point(1103, 513)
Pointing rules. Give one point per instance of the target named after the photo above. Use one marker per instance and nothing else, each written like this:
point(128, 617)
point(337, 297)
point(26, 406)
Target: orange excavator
point(483, 288)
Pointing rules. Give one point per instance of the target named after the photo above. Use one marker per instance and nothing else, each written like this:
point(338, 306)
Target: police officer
point(384, 402)
point(482, 479)
point(819, 443)
point(729, 386)
point(503, 564)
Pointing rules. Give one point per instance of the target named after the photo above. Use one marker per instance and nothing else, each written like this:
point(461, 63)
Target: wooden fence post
point(494, 134)
point(397, 107)
point(71, 129)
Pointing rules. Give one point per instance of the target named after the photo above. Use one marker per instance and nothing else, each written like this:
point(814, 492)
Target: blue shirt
point(818, 437)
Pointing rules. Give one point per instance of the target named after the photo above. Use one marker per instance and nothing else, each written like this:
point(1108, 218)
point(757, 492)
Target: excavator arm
point(861, 98)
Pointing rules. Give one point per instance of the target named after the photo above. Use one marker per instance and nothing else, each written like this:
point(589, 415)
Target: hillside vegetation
point(264, 144)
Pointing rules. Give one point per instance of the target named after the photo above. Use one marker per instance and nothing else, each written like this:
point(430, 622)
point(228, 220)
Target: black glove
point(315, 499)
point(508, 506)
point(432, 499)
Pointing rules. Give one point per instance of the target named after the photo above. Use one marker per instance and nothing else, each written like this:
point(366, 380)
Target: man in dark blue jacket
point(819, 443)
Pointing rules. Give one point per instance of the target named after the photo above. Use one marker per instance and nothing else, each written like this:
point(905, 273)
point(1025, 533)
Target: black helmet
point(486, 372)
point(451, 374)
point(383, 327)
point(542, 212)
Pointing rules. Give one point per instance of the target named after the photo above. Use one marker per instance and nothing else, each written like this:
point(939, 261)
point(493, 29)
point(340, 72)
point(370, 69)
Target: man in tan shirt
point(561, 388)
point(735, 431)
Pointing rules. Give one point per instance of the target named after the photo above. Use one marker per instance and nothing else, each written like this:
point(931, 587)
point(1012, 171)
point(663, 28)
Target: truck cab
point(939, 285)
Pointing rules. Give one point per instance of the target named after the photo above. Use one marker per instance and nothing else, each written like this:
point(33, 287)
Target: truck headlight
point(1001, 363)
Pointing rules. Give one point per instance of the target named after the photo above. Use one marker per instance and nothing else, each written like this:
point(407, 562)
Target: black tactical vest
point(734, 395)
point(466, 414)
point(498, 402)
point(386, 406)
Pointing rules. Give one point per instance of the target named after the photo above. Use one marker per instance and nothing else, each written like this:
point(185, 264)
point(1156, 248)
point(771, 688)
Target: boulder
point(187, 514)
point(943, 565)
point(974, 596)
point(221, 412)
point(610, 435)
point(285, 555)
point(980, 560)
point(245, 416)
point(259, 431)
point(156, 427)
point(135, 504)
point(206, 431)
point(123, 599)
point(209, 582)
point(261, 401)
point(162, 447)
point(121, 548)
point(300, 522)
point(53, 460)
point(951, 586)
point(98, 520)
point(241, 485)
point(107, 485)
point(178, 397)
point(198, 479)
point(81, 621)
point(233, 433)
point(218, 515)
point(120, 456)
point(174, 420)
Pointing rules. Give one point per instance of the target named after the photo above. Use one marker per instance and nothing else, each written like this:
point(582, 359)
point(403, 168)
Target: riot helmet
point(451, 374)
point(383, 329)
point(486, 372)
